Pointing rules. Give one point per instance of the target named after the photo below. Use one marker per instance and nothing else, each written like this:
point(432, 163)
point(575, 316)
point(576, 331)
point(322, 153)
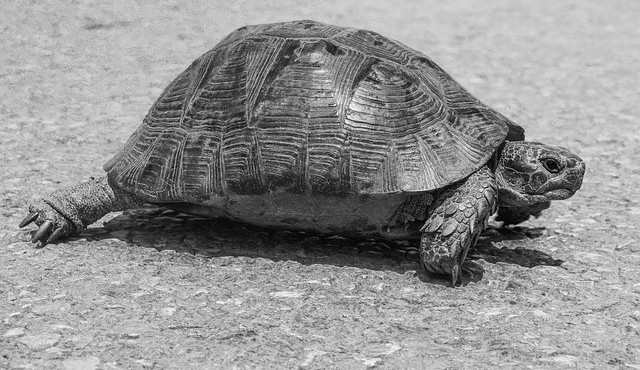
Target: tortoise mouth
point(559, 194)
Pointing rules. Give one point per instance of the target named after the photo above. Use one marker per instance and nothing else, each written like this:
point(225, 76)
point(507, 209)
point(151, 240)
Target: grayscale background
point(153, 290)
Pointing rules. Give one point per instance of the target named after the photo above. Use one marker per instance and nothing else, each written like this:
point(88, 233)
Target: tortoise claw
point(44, 229)
point(53, 237)
point(29, 219)
point(455, 272)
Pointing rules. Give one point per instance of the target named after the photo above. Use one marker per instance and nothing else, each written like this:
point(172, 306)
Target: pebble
point(623, 246)
point(371, 362)
point(200, 291)
point(12, 316)
point(168, 311)
point(139, 294)
point(540, 313)
point(54, 351)
point(14, 332)
point(310, 357)
point(494, 312)
point(234, 301)
point(40, 341)
point(383, 350)
point(61, 327)
point(287, 294)
point(590, 221)
point(59, 296)
point(564, 360)
point(81, 363)
point(144, 363)
point(445, 340)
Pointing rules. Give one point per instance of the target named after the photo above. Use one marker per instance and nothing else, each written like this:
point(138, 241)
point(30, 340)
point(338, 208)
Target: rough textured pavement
point(155, 289)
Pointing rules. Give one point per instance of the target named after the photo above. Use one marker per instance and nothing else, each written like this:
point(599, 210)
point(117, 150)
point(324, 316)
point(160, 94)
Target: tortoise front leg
point(460, 215)
point(70, 210)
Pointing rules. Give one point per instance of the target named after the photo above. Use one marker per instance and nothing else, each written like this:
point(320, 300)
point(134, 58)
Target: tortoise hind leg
point(459, 216)
point(70, 210)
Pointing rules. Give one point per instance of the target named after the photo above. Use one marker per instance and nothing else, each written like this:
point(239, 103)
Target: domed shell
point(307, 107)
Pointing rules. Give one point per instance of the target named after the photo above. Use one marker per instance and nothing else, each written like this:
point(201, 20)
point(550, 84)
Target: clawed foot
point(53, 225)
point(441, 256)
point(454, 225)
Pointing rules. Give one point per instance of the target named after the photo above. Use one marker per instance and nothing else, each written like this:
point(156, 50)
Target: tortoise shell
point(308, 107)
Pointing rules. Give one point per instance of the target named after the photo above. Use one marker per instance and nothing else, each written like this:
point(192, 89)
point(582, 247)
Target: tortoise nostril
point(574, 162)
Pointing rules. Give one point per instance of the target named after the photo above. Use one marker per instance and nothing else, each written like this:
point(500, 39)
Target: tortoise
point(309, 126)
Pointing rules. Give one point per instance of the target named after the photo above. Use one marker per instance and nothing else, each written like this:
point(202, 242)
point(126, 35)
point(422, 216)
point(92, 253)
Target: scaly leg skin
point(70, 210)
point(457, 219)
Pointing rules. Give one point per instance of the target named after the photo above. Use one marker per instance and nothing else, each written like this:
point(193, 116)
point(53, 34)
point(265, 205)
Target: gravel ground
point(155, 289)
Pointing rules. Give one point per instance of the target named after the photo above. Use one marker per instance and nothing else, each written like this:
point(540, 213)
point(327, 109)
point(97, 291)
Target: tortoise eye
point(551, 165)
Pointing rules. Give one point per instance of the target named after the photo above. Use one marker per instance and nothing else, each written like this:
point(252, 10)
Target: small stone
point(497, 311)
point(61, 327)
point(287, 294)
point(540, 313)
point(371, 362)
point(589, 221)
point(40, 341)
point(12, 316)
point(441, 340)
point(54, 351)
point(168, 311)
point(81, 363)
point(310, 357)
point(564, 360)
point(234, 301)
point(383, 350)
point(139, 293)
point(14, 332)
point(200, 292)
point(144, 363)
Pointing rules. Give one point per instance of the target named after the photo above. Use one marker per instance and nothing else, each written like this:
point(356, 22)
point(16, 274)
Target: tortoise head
point(529, 173)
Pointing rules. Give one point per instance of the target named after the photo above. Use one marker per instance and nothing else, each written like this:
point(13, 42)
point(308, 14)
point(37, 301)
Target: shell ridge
point(432, 168)
point(173, 171)
point(129, 177)
point(201, 74)
point(298, 122)
point(259, 63)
